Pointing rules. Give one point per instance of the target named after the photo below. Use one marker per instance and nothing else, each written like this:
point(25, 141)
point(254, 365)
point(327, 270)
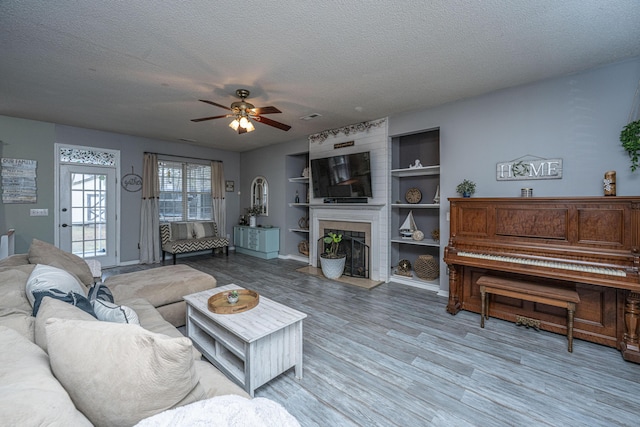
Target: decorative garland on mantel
point(358, 127)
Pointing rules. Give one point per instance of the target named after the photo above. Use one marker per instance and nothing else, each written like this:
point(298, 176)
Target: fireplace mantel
point(349, 206)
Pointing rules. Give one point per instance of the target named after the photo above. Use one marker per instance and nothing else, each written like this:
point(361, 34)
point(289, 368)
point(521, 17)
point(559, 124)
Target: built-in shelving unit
point(425, 147)
point(297, 210)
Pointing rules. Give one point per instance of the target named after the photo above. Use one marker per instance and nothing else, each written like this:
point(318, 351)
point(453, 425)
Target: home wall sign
point(19, 180)
point(132, 182)
point(522, 169)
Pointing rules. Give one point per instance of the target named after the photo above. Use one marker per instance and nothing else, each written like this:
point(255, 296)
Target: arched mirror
point(260, 194)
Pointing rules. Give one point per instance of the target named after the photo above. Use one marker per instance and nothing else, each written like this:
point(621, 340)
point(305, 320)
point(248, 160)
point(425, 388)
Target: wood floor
point(392, 356)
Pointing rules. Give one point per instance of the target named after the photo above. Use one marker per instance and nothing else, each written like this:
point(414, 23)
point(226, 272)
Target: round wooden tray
point(247, 300)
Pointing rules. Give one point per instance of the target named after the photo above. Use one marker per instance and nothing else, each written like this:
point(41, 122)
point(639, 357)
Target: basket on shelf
point(303, 247)
point(426, 267)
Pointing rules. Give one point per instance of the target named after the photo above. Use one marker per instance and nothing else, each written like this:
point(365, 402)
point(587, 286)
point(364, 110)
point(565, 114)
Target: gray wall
point(27, 139)
point(577, 118)
point(270, 162)
point(35, 140)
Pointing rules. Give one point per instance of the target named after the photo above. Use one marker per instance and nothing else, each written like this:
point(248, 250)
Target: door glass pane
point(88, 214)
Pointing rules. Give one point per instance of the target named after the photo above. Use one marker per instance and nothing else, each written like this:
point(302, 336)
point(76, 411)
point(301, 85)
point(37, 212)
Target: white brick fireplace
point(372, 137)
point(352, 217)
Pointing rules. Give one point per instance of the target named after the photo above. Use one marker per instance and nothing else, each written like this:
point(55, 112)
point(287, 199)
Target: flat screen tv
point(345, 176)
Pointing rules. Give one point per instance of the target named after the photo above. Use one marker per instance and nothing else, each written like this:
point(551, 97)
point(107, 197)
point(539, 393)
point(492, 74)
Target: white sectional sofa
point(63, 367)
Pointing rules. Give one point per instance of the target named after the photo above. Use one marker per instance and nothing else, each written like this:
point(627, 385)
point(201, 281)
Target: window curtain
point(217, 196)
point(150, 248)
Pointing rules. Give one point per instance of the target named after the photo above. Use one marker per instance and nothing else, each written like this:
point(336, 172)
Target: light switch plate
point(39, 212)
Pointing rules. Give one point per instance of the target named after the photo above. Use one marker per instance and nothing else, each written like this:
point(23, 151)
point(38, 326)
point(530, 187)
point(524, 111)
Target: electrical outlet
point(39, 212)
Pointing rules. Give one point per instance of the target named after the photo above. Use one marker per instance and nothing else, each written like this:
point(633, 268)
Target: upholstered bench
point(163, 287)
point(528, 291)
point(185, 237)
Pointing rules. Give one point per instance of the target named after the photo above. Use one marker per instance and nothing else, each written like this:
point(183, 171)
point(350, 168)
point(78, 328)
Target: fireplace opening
point(352, 244)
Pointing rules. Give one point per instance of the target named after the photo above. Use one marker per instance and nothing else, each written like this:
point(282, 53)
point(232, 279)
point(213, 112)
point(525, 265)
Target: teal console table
point(257, 241)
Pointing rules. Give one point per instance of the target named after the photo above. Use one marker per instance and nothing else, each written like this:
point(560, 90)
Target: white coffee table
point(251, 347)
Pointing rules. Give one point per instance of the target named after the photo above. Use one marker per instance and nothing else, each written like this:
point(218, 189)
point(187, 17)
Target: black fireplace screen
point(352, 244)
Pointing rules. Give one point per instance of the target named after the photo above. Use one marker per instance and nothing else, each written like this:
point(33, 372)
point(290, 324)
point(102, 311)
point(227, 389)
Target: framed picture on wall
point(229, 186)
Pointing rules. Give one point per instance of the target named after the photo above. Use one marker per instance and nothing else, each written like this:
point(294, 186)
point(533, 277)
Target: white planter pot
point(252, 221)
point(332, 268)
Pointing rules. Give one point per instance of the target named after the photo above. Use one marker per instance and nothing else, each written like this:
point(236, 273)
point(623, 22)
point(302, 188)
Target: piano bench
point(528, 291)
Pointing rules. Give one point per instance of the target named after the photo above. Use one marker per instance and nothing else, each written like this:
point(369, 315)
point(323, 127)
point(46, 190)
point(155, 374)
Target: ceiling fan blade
point(213, 103)
point(210, 118)
point(265, 110)
point(273, 123)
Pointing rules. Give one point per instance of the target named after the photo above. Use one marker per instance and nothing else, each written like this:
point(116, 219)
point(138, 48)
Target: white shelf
point(300, 179)
point(299, 204)
point(300, 230)
point(423, 242)
point(427, 170)
point(432, 285)
point(416, 205)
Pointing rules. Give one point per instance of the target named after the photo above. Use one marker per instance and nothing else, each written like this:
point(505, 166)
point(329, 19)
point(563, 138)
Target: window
point(185, 191)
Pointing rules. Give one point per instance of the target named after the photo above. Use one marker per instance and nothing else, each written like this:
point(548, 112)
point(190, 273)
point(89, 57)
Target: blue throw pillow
point(101, 292)
point(72, 298)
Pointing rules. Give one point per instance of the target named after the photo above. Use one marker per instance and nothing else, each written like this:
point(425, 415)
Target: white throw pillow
point(45, 277)
point(111, 312)
point(119, 374)
point(198, 230)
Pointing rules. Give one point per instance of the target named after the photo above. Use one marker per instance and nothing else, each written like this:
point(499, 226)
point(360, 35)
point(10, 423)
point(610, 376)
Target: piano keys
point(587, 244)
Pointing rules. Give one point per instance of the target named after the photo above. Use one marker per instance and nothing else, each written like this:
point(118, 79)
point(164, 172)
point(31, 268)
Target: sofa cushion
point(51, 307)
point(14, 260)
point(204, 229)
point(151, 372)
point(181, 230)
point(29, 393)
point(15, 310)
point(45, 277)
point(110, 312)
point(45, 253)
point(161, 285)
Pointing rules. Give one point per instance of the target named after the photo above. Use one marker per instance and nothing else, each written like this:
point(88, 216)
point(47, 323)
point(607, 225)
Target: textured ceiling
point(139, 67)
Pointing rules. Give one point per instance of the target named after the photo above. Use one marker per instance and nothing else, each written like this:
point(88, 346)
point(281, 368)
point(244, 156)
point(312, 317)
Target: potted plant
point(253, 212)
point(232, 297)
point(630, 138)
point(332, 262)
point(466, 188)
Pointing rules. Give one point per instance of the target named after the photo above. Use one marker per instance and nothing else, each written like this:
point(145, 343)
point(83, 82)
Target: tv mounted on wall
point(342, 177)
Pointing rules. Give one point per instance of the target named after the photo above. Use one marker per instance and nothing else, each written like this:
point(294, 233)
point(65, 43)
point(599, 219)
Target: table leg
point(483, 298)
point(299, 351)
point(570, 310)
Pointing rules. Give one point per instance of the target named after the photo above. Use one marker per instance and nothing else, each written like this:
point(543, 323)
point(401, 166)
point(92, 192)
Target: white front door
point(86, 214)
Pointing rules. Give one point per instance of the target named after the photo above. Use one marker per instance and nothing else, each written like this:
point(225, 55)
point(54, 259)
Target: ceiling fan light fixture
point(250, 127)
point(243, 122)
point(235, 124)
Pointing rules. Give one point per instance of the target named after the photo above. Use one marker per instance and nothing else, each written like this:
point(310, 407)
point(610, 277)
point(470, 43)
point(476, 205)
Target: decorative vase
point(610, 183)
point(252, 221)
point(466, 194)
point(332, 268)
point(232, 299)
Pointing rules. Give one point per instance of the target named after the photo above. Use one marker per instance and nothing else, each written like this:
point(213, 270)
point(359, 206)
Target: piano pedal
point(527, 322)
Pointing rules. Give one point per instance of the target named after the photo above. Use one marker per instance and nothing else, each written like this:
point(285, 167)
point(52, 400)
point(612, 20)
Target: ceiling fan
point(243, 112)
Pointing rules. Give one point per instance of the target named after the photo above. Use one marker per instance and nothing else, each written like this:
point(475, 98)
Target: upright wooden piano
point(589, 244)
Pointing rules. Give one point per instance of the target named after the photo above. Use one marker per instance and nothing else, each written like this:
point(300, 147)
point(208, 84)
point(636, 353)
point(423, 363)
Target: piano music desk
point(550, 295)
